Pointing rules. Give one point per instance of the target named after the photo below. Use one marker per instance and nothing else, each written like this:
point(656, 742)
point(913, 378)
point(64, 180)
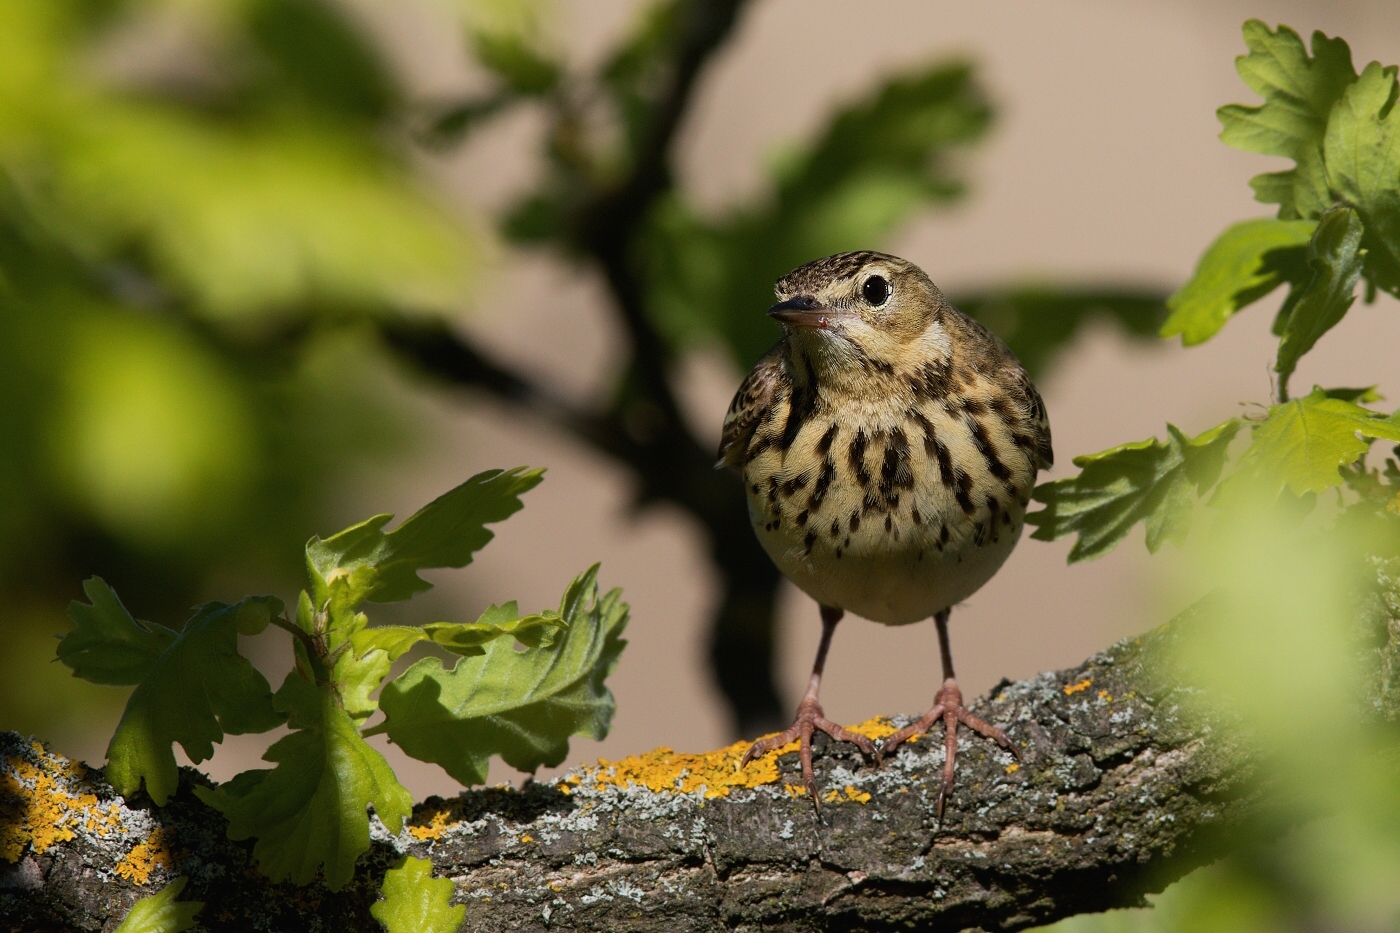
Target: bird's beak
point(802, 311)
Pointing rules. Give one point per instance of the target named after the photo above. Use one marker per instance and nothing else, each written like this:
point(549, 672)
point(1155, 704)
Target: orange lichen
point(47, 810)
point(850, 793)
point(145, 858)
point(1105, 696)
point(435, 829)
point(1075, 688)
point(717, 772)
point(1012, 768)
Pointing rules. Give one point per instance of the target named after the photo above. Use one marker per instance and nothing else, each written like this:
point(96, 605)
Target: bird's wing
point(754, 397)
point(1025, 393)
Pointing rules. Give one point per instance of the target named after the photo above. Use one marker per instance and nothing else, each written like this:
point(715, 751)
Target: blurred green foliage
point(185, 248)
point(1302, 561)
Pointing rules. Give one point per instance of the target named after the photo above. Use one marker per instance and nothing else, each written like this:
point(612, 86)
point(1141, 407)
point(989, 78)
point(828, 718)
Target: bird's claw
point(810, 719)
point(948, 706)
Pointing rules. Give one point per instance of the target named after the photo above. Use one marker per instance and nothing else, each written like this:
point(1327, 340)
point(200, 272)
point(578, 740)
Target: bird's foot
point(948, 706)
point(809, 720)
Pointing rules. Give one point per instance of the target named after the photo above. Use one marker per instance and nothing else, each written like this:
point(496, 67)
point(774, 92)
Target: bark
point(1126, 784)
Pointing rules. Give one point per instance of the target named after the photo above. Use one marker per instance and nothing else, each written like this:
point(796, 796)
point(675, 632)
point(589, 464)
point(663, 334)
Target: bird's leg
point(948, 706)
point(810, 717)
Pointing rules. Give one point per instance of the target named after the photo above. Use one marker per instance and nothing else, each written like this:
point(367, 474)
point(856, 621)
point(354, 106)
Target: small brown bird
point(889, 445)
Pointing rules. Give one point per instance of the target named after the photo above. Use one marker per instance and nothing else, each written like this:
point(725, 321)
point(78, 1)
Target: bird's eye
point(876, 290)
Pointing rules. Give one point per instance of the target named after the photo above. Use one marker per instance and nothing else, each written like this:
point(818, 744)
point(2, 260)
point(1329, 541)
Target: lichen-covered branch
point(1124, 786)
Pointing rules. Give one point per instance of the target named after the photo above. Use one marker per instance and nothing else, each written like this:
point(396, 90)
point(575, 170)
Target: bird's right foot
point(809, 720)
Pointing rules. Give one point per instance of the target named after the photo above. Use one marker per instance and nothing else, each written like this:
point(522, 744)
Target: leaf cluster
point(1338, 218)
point(186, 249)
point(522, 685)
point(1339, 208)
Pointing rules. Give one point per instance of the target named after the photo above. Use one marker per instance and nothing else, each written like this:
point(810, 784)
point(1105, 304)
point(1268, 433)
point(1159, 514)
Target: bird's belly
point(893, 582)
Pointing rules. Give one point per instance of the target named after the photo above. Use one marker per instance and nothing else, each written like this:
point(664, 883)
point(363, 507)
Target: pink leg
point(948, 706)
point(810, 718)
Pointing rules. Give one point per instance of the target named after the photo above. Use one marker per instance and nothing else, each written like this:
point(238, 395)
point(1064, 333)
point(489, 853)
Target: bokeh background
point(217, 219)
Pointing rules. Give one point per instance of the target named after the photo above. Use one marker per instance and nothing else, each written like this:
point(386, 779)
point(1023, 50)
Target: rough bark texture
point(1122, 789)
point(1125, 784)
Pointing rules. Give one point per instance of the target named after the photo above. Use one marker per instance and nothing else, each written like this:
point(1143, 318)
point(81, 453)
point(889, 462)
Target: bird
point(888, 446)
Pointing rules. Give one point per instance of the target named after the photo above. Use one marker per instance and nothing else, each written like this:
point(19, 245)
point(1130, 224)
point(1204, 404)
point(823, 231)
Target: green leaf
point(1303, 443)
point(193, 685)
point(1148, 482)
point(1335, 256)
point(161, 913)
point(416, 902)
point(393, 640)
point(251, 217)
point(534, 631)
point(370, 564)
point(523, 68)
point(108, 646)
point(1361, 396)
point(310, 811)
point(1298, 94)
point(1037, 321)
point(1363, 167)
point(464, 638)
point(1244, 264)
point(359, 673)
point(521, 705)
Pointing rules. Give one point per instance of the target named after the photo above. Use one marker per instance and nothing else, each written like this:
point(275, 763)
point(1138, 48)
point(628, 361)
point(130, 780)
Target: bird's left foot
point(810, 719)
point(948, 706)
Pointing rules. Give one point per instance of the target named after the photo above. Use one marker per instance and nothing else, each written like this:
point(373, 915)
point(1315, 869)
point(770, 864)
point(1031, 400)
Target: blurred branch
point(1123, 788)
point(434, 349)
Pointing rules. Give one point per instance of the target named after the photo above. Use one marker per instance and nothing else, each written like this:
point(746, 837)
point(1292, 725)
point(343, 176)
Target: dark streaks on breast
point(823, 483)
point(964, 492)
point(987, 449)
point(896, 472)
point(805, 404)
point(856, 453)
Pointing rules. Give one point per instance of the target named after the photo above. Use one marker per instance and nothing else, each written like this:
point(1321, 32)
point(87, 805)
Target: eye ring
point(876, 291)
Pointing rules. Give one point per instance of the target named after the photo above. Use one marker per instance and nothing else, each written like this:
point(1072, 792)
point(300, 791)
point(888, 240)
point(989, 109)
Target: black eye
point(876, 290)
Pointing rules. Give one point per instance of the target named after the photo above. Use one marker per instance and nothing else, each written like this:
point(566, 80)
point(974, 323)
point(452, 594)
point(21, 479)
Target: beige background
point(1103, 166)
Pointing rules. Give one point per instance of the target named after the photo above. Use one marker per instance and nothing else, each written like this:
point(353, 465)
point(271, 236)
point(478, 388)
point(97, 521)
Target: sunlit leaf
point(161, 912)
point(1244, 264)
point(1304, 442)
point(1298, 93)
point(196, 689)
point(368, 563)
point(393, 640)
point(416, 902)
point(150, 433)
point(1335, 256)
point(1363, 167)
point(1148, 481)
point(522, 706)
point(534, 630)
point(309, 813)
point(254, 220)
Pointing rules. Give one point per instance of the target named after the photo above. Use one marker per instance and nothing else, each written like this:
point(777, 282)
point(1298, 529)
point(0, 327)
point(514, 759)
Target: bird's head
point(854, 312)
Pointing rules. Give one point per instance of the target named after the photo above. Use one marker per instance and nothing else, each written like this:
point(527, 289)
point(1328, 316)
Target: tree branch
point(1125, 786)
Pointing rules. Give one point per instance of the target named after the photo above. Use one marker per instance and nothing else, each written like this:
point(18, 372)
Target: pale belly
point(888, 581)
